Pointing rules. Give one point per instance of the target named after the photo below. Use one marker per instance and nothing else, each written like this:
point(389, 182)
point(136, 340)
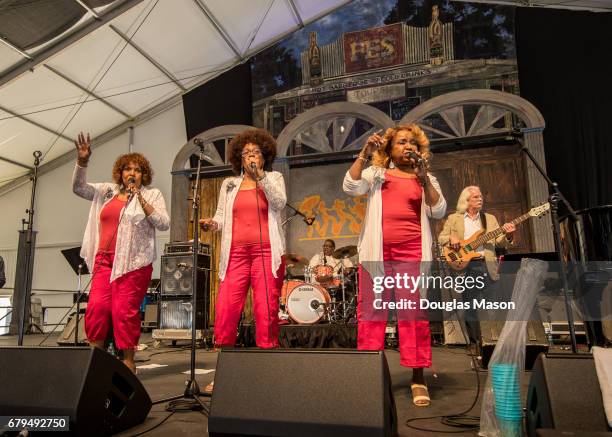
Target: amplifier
point(185, 247)
point(178, 314)
point(177, 274)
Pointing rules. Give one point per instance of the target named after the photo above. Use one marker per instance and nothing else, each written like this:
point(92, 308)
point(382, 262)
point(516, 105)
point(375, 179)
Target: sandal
point(420, 400)
point(209, 388)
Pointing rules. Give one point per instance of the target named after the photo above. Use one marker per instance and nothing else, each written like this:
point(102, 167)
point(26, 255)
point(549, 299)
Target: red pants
point(413, 328)
point(116, 302)
point(245, 268)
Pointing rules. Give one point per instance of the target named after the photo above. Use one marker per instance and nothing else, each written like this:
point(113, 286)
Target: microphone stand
point(192, 389)
point(27, 289)
point(555, 196)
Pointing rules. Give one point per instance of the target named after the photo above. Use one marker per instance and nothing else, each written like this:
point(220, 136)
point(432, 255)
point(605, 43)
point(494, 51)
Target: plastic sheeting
point(501, 413)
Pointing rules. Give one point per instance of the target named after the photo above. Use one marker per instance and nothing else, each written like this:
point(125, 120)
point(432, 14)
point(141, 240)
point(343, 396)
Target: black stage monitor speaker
point(564, 395)
point(491, 330)
point(302, 393)
point(99, 394)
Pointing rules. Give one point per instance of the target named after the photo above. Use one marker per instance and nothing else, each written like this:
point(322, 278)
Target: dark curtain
point(223, 100)
point(565, 71)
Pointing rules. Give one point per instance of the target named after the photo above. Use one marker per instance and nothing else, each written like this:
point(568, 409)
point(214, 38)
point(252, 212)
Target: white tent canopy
point(124, 62)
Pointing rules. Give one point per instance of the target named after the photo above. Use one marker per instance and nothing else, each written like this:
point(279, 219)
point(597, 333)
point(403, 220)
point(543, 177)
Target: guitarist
point(461, 225)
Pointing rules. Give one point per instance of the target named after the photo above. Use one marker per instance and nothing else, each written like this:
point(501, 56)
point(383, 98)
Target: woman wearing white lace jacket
point(119, 246)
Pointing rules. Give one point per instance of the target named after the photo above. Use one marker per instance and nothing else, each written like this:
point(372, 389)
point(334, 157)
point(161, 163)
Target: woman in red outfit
point(119, 246)
point(402, 196)
point(252, 244)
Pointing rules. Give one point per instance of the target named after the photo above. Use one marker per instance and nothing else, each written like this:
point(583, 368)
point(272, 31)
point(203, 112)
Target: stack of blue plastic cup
point(507, 391)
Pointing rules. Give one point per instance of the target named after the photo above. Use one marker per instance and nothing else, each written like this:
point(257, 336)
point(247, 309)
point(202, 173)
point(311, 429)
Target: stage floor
point(452, 391)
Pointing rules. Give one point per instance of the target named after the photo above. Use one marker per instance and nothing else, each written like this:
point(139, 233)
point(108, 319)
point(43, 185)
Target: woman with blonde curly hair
point(119, 246)
point(395, 239)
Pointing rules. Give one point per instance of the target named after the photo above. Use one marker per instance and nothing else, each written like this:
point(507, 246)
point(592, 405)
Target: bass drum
point(305, 303)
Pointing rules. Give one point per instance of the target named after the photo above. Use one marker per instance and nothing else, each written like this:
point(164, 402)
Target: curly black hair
point(262, 138)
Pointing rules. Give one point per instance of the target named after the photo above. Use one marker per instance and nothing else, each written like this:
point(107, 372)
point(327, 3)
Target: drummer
point(327, 258)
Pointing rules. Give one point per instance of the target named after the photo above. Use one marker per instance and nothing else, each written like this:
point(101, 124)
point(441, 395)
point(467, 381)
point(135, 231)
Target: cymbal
point(345, 252)
point(294, 260)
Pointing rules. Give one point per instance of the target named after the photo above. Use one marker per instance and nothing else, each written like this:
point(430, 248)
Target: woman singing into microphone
point(119, 246)
point(249, 216)
point(395, 238)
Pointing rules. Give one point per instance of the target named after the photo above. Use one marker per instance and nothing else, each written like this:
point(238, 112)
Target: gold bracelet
point(362, 158)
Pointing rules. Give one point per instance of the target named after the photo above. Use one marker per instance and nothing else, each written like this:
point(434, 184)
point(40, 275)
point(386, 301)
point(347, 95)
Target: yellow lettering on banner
point(331, 221)
point(357, 48)
point(373, 48)
point(388, 47)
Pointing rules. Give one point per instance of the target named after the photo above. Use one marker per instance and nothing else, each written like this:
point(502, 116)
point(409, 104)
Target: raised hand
point(373, 143)
point(83, 146)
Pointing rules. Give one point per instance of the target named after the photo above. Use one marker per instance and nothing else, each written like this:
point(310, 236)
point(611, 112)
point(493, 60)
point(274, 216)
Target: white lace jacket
point(135, 246)
point(273, 186)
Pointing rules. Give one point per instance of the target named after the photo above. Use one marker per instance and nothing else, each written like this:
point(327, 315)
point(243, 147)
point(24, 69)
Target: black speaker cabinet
point(177, 273)
point(98, 393)
point(177, 313)
point(302, 393)
point(564, 395)
point(491, 330)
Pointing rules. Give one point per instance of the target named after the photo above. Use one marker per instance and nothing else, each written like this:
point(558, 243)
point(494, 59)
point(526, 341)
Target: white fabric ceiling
point(187, 42)
point(192, 41)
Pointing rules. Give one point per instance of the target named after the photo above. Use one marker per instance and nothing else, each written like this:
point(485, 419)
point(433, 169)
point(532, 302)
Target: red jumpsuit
point(249, 265)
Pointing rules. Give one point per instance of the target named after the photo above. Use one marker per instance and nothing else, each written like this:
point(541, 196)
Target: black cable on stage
point(155, 426)
point(462, 419)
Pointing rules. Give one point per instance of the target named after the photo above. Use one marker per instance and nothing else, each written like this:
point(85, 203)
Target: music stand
point(73, 256)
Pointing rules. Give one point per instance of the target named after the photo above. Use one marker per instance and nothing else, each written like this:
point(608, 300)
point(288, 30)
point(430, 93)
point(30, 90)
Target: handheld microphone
point(131, 181)
point(253, 165)
point(419, 160)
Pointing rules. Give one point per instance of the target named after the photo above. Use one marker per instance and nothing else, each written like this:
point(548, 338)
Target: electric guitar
point(459, 259)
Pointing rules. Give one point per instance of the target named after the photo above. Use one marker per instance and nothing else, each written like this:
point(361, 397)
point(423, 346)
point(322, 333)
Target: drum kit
point(323, 293)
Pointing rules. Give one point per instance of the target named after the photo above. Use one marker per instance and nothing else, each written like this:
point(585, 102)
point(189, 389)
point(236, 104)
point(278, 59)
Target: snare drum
point(305, 303)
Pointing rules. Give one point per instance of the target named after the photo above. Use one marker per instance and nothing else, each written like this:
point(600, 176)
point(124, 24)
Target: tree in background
point(275, 70)
point(481, 31)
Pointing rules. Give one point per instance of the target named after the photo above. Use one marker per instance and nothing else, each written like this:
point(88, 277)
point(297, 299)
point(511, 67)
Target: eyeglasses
point(255, 152)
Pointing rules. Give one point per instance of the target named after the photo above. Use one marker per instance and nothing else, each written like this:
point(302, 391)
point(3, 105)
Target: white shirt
point(135, 246)
point(273, 186)
point(471, 226)
point(330, 261)
point(370, 244)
